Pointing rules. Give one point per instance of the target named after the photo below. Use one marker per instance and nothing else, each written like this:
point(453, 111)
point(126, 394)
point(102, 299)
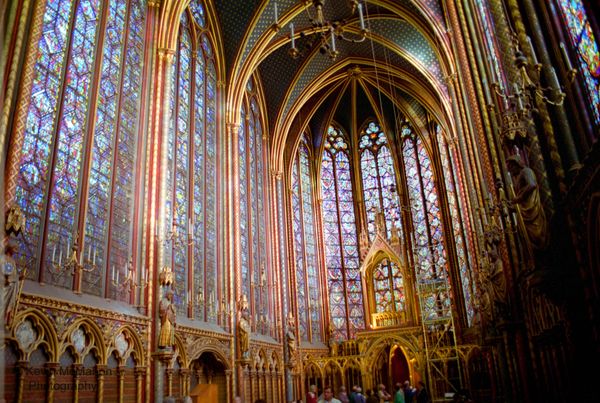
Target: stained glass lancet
point(378, 178)
point(340, 238)
point(59, 151)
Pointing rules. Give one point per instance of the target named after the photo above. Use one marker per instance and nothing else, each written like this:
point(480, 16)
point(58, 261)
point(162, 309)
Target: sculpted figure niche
point(244, 328)
point(168, 315)
point(527, 198)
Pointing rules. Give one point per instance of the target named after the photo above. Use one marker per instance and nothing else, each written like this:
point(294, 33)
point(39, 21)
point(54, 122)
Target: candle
point(118, 276)
point(554, 79)
point(276, 13)
point(95, 254)
point(68, 246)
point(54, 254)
point(292, 35)
point(60, 258)
point(89, 252)
point(112, 273)
point(532, 50)
point(332, 40)
point(361, 17)
point(190, 226)
point(565, 55)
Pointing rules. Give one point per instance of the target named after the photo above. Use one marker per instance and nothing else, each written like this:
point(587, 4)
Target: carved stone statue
point(168, 316)
point(493, 278)
point(290, 335)
point(244, 328)
point(13, 281)
point(527, 197)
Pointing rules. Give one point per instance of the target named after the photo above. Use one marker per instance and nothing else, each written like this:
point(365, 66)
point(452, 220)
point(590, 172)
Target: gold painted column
point(51, 369)
point(22, 367)
point(121, 375)
point(185, 380)
point(139, 379)
point(77, 370)
point(100, 372)
point(228, 379)
point(169, 373)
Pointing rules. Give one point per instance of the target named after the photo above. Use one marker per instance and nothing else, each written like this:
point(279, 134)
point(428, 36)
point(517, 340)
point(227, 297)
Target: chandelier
point(324, 33)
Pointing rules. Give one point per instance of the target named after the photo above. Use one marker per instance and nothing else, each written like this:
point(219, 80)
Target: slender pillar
point(121, 375)
point(51, 369)
point(100, 372)
point(140, 372)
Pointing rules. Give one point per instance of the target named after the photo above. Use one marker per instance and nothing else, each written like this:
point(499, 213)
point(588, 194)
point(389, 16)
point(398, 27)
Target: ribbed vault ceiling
point(403, 56)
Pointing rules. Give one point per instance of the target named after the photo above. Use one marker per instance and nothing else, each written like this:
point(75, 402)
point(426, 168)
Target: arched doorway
point(209, 369)
point(398, 366)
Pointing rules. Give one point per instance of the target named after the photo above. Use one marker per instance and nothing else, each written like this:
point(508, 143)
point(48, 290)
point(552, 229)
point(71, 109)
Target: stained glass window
point(429, 253)
point(341, 245)
point(254, 214)
point(378, 179)
point(459, 219)
point(191, 177)
point(74, 162)
point(307, 285)
point(388, 287)
point(488, 29)
point(586, 46)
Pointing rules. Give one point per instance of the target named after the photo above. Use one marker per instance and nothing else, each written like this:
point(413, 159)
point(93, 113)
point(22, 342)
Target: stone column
point(139, 382)
point(228, 380)
point(185, 381)
point(121, 374)
point(51, 368)
point(77, 368)
point(22, 367)
point(100, 372)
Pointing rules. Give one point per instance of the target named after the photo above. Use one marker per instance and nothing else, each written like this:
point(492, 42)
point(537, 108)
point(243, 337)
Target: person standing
point(399, 394)
point(342, 395)
point(328, 396)
point(422, 394)
point(311, 396)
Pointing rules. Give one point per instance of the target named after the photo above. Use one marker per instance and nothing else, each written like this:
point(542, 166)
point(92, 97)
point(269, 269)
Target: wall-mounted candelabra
point(323, 33)
point(128, 282)
point(519, 99)
point(176, 238)
point(74, 263)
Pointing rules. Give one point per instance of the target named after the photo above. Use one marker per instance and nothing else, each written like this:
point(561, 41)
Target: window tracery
point(340, 238)
point(191, 175)
point(77, 157)
point(305, 247)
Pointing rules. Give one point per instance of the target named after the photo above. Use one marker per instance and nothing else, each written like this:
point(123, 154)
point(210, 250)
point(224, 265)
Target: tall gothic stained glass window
point(80, 140)
point(305, 247)
point(378, 178)
point(341, 244)
point(388, 287)
point(428, 239)
point(459, 218)
point(191, 176)
point(586, 46)
point(254, 212)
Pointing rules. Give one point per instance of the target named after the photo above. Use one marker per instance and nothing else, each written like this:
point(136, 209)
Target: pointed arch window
point(428, 239)
point(388, 287)
point(341, 243)
point(378, 178)
point(308, 292)
point(76, 181)
point(460, 219)
point(585, 44)
point(191, 176)
point(254, 213)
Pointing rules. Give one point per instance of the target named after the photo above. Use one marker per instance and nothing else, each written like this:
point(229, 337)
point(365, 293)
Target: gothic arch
point(96, 342)
point(46, 338)
point(135, 349)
